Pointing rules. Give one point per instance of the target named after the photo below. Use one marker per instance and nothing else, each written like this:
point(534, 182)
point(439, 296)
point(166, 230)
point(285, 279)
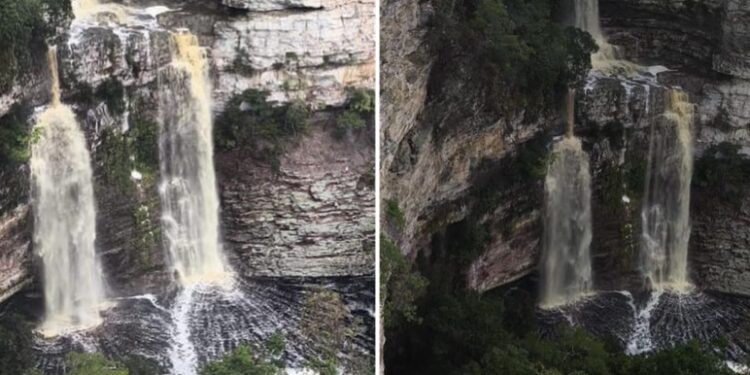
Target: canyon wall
point(447, 163)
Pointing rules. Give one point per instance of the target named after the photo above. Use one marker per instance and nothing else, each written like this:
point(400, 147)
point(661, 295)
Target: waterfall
point(566, 262)
point(190, 203)
point(607, 59)
point(665, 223)
point(65, 218)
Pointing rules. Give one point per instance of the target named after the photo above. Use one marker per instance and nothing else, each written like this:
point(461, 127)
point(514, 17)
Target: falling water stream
point(64, 218)
point(190, 203)
point(566, 261)
point(665, 216)
point(664, 314)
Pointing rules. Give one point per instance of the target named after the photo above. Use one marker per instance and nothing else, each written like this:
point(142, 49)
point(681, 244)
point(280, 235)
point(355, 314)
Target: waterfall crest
point(566, 260)
point(65, 218)
point(607, 59)
point(190, 203)
point(665, 217)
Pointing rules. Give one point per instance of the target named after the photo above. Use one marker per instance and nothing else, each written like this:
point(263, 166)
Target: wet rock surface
point(647, 322)
point(217, 320)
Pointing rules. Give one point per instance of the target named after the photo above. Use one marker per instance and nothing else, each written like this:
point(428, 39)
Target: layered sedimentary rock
point(313, 217)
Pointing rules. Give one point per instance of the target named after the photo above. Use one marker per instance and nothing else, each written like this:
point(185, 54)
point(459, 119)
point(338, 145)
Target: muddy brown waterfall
point(65, 218)
point(566, 263)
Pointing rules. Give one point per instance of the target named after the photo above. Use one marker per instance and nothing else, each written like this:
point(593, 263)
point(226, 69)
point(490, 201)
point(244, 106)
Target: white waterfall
point(190, 203)
point(65, 218)
point(566, 262)
point(665, 217)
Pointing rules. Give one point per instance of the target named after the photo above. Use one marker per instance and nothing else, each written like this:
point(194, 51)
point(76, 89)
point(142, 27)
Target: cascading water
point(65, 218)
point(566, 262)
point(190, 203)
point(606, 59)
point(665, 223)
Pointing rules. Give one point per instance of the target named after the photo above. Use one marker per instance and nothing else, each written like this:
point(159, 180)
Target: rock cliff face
point(441, 182)
point(314, 218)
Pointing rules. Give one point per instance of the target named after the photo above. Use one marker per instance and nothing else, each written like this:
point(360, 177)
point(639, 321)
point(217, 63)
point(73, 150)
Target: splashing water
point(190, 203)
point(92, 9)
point(665, 217)
point(566, 263)
point(65, 218)
point(641, 340)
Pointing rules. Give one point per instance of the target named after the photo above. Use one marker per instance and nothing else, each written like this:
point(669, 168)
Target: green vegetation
point(400, 285)
point(394, 214)
point(358, 113)
point(525, 58)
point(97, 364)
point(112, 92)
point(324, 324)
point(93, 364)
point(24, 27)
point(460, 331)
point(16, 355)
point(240, 63)
point(250, 120)
point(723, 172)
point(147, 236)
point(137, 149)
point(251, 360)
point(15, 137)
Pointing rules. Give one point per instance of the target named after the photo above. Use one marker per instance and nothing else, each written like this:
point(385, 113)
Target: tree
point(16, 355)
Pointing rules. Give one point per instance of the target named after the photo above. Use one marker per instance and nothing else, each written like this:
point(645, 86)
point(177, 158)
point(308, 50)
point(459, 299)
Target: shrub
point(400, 285)
point(393, 213)
point(359, 111)
point(93, 364)
point(251, 120)
point(16, 354)
point(250, 360)
point(324, 324)
point(15, 137)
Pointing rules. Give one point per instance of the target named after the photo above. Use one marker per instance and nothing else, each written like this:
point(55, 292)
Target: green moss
point(138, 149)
point(635, 170)
point(112, 92)
point(723, 172)
point(114, 152)
point(147, 235)
point(394, 214)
